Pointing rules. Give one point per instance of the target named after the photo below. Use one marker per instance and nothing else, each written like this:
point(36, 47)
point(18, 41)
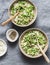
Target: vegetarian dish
point(26, 12)
point(29, 42)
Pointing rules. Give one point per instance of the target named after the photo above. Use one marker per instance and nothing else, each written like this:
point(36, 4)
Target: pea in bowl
point(28, 42)
point(27, 12)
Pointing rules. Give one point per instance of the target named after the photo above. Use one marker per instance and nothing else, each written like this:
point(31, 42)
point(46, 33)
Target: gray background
point(14, 56)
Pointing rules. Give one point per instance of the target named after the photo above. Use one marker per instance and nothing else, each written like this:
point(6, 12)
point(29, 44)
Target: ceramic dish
point(12, 35)
point(34, 11)
point(3, 47)
point(23, 48)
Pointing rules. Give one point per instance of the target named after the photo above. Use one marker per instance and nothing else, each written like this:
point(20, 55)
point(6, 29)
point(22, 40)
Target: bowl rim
point(33, 20)
point(45, 49)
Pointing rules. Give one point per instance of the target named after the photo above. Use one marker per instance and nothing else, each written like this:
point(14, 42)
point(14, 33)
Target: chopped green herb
point(29, 42)
point(26, 14)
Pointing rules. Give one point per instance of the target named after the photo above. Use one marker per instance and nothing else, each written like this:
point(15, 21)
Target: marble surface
point(13, 55)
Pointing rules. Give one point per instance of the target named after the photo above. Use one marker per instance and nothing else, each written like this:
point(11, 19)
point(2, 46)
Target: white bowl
point(7, 35)
point(5, 47)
